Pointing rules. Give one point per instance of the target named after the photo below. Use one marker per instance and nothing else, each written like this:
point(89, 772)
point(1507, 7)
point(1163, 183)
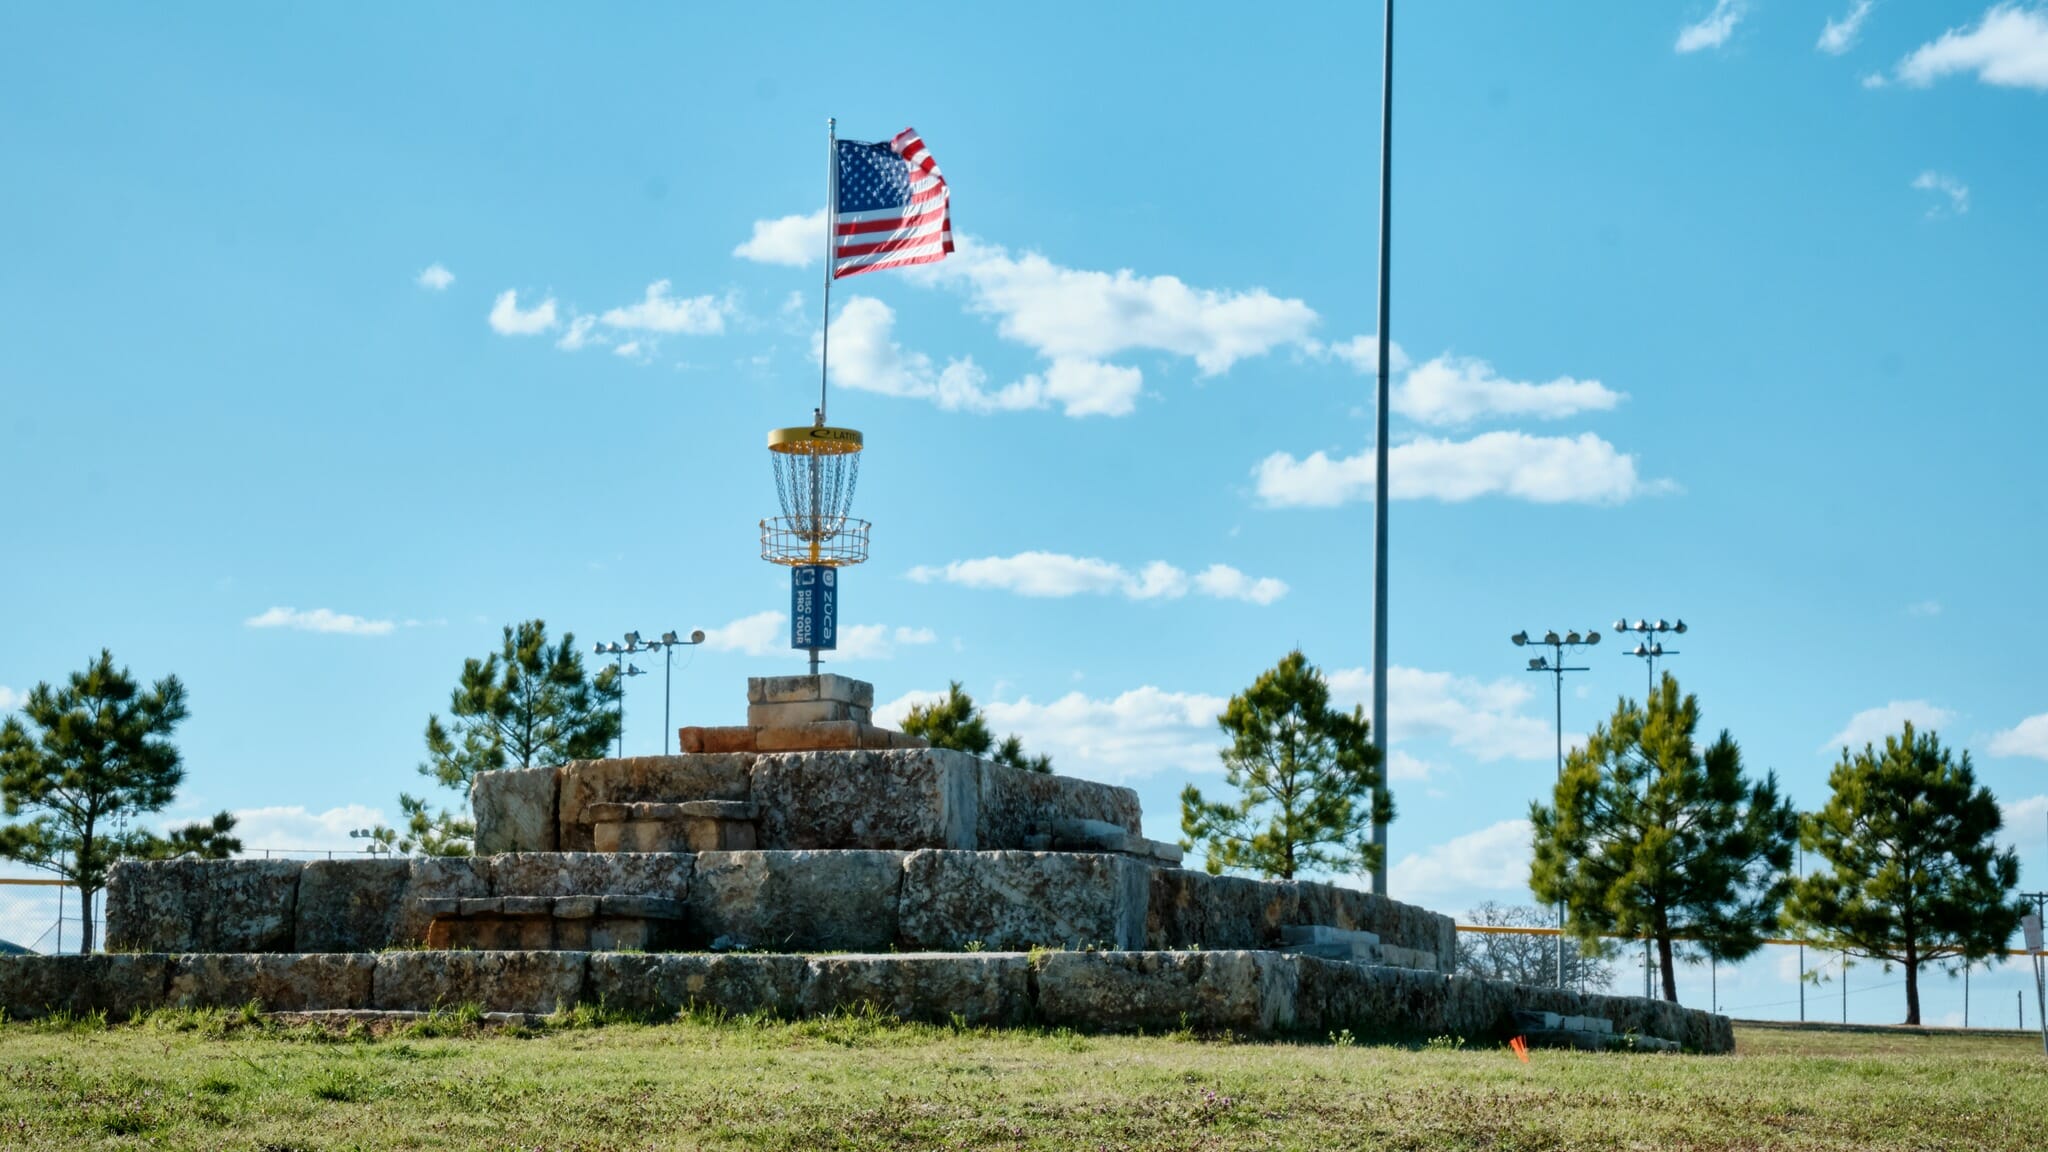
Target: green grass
point(598, 1080)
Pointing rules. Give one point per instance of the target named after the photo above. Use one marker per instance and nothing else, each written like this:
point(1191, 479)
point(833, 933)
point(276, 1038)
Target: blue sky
point(340, 339)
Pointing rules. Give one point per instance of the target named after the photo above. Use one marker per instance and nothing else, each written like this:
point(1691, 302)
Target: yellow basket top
point(814, 441)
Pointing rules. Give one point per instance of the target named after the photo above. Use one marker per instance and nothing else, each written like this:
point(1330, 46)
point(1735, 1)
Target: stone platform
point(805, 863)
point(1248, 993)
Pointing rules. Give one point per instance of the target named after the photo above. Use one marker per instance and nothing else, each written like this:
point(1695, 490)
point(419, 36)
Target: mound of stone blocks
point(1250, 993)
point(801, 714)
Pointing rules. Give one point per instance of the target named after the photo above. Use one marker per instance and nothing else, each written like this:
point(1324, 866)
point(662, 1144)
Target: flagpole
point(831, 226)
point(1379, 550)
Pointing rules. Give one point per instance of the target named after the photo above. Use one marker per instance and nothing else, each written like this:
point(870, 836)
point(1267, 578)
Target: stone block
point(1022, 900)
point(1189, 909)
point(1251, 993)
point(1016, 804)
point(516, 810)
point(666, 779)
point(202, 905)
point(1102, 836)
point(825, 736)
point(664, 985)
point(1395, 956)
point(312, 982)
point(985, 988)
point(427, 877)
point(592, 874)
point(795, 901)
point(349, 905)
point(537, 982)
point(805, 712)
point(1380, 1003)
point(799, 689)
point(887, 799)
point(118, 984)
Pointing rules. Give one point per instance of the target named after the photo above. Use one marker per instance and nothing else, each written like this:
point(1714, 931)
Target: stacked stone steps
point(801, 714)
point(554, 923)
point(1257, 993)
point(1352, 946)
point(1102, 836)
point(1586, 1033)
point(689, 826)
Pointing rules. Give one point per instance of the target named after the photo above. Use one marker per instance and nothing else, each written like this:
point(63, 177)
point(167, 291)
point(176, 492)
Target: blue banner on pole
point(814, 607)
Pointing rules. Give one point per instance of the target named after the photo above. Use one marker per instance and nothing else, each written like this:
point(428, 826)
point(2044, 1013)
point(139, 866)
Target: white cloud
point(1493, 860)
point(1227, 583)
point(1713, 30)
point(2021, 824)
point(1083, 388)
point(1458, 390)
point(879, 641)
point(581, 333)
point(1872, 725)
point(630, 350)
point(762, 634)
point(1484, 718)
point(1924, 608)
point(657, 311)
point(1541, 469)
point(1134, 734)
point(1362, 353)
point(866, 358)
point(508, 320)
point(2027, 738)
point(795, 241)
point(320, 620)
point(10, 699)
point(1958, 193)
point(2008, 48)
point(1402, 766)
point(1058, 575)
point(292, 828)
point(1840, 35)
point(1079, 314)
point(435, 277)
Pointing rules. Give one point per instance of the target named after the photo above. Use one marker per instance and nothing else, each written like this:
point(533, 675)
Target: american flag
point(893, 207)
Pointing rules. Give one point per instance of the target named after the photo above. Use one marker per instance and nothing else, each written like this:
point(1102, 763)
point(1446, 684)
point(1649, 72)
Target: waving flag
point(892, 209)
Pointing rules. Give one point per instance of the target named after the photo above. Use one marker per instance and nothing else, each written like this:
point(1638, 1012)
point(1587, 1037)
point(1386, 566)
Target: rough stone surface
point(887, 799)
point(593, 874)
point(349, 905)
point(667, 779)
point(495, 981)
point(1194, 909)
point(278, 982)
point(804, 712)
point(202, 905)
point(1016, 804)
point(795, 901)
point(798, 689)
point(981, 988)
point(663, 985)
point(1022, 900)
point(1247, 992)
point(117, 984)
point(515, 810)
point(462, 877)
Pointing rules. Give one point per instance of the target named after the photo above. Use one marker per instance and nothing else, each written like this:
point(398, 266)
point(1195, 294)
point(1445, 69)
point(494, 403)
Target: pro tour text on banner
point(813, 607)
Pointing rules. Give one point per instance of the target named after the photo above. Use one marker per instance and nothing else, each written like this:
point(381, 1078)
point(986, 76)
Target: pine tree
point(1652, 836)
point(1306, 775)
point(100, 753)
point(527, 705)
point(213, 839)
point(956, 722)
point(1916, 874)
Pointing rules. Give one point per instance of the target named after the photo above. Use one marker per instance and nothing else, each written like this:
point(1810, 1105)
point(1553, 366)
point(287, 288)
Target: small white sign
point(2031, 926)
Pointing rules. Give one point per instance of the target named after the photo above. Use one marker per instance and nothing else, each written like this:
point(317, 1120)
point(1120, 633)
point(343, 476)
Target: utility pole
point(1379, 496)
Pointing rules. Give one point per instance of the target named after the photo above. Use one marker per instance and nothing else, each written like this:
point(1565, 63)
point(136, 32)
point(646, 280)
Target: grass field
point(227, 1080)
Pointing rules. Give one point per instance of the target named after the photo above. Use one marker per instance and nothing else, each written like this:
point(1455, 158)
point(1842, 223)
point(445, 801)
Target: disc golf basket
point(816, 469)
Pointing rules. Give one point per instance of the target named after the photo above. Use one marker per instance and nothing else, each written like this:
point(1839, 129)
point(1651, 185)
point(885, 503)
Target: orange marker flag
point(1521, 1048)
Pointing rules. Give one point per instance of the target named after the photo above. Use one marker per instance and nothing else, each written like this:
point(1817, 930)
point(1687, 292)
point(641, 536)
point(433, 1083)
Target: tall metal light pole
point(1651, 648)
point(1555, 665)
point(619, 650)
point(668, 644)
point(1379, 492)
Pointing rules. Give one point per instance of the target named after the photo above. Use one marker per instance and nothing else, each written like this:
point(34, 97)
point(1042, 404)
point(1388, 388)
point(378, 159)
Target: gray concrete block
point(1021, 900)
point(795, 901)
point(516, 810)
point(895, 799)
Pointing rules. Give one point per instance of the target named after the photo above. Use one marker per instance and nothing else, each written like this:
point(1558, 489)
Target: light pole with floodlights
point(1555, 665)
point(668, 643)
point(1651, 648)
point(619, 650)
